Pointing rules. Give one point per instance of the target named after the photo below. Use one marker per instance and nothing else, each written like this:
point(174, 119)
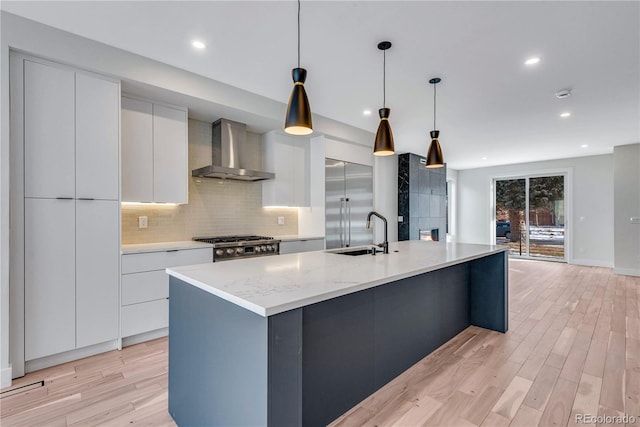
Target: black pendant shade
point(383, 145)
point(434, 155)
point(435, 159)
point(298, 118)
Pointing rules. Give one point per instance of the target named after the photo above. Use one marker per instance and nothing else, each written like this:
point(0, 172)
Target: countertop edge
point(138, 248)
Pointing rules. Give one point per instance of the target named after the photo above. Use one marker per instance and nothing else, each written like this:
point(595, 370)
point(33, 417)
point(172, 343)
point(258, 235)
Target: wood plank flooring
point(573, 347)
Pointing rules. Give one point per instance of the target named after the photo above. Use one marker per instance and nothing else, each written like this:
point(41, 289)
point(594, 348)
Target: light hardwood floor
point(573, 347)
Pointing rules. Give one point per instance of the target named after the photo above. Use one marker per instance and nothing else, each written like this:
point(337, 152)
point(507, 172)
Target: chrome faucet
point(384, 245)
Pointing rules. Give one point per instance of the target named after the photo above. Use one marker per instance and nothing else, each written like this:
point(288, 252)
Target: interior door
point(334, 204)
point(359, 202)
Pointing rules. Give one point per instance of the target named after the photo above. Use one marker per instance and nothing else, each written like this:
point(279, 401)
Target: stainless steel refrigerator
point(348, 200)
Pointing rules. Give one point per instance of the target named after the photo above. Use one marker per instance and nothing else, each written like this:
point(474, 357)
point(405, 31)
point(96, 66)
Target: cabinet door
point(49, 131)
point(97, 271)
point(97, 138)
point(301, 174)
point(50, 304)
point(170, 163)
point(137, 150)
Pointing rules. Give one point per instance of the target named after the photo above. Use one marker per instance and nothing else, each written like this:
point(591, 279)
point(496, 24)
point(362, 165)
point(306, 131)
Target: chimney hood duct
point(228, 139)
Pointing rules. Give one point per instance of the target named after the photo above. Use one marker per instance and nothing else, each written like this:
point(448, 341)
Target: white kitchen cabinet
point(71, 208)
point(137, 150)
point(301, 245)
point(288, 158)
point(50, 284)
point(145, 287)
point(71, 133)
point(97, 258)
point(170, 162)
point(154, 152)
point(97, 138)
point(49, 131)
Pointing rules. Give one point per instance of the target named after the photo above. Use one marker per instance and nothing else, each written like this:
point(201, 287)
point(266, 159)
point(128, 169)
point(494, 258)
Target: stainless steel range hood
point(228, 138)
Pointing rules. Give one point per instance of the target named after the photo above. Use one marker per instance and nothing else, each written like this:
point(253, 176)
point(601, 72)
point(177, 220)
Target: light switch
point(143, 222)
point(280, 220)
point(400, 218)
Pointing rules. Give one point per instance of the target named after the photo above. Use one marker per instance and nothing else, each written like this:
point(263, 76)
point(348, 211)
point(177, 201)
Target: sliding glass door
point(530, 216)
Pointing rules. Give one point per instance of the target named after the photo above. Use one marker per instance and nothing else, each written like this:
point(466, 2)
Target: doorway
point(530, 216)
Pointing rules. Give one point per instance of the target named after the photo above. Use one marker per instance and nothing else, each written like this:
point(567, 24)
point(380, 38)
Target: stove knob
point(264, 248)
point(271, 248)
point(240, 251)
point(257, 249)
point(230, 251)
point(219, 252)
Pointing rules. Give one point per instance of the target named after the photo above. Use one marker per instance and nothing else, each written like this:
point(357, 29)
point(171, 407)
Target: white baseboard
point(68, 356)
point(591, 263)
point(627, 271)
point(146, 336)
point(5, 377)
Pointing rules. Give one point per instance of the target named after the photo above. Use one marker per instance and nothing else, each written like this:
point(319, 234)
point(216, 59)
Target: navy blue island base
point(229, 366)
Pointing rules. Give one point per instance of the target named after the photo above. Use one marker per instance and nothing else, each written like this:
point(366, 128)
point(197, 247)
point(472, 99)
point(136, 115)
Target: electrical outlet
point(280, 220)
point(143, 222)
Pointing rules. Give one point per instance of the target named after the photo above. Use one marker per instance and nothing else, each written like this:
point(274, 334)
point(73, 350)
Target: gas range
point(236, 247)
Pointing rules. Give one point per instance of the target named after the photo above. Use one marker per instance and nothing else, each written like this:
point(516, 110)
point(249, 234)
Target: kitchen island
point(299, 339)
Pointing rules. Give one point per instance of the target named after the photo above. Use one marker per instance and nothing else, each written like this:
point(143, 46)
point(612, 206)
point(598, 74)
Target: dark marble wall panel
point(421, 197)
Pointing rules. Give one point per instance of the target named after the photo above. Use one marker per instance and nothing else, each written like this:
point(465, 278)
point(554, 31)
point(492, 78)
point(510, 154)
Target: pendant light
point(383, 145)
point(434, 155)
point(298, 118)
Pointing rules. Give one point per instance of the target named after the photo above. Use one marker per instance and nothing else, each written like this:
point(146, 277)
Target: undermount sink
point(355, 252)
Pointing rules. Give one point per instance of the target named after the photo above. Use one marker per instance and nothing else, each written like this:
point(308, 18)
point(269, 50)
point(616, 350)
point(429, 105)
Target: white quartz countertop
point(295, 237)
point(273, 284)
point(162, 246)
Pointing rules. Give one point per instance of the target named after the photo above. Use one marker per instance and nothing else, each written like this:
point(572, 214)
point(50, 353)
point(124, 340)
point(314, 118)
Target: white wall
point(591, 218)
point(626, 160)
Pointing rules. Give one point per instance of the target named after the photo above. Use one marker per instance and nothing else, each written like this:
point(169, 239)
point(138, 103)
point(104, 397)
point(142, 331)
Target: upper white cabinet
point(154, 152)
point(288, 158)
point(49, 131)
point(71, 134)
point(97, 138)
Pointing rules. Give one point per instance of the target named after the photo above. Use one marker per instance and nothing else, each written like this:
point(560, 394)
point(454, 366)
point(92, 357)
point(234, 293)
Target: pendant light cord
point(298, 33)
point(384, 78)
point(434, 106)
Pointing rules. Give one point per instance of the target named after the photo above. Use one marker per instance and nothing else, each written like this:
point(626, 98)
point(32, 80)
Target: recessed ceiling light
point(584, 146)
point(367, 112)
point(532, 61)
point(484, 158)
point(198, 44)
point(565, 114)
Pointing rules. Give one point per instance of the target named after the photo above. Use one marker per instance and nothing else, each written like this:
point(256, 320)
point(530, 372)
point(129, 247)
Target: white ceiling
point(489, 103)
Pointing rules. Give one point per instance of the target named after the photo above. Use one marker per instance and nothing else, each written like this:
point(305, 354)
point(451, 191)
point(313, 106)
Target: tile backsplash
point(216, 207)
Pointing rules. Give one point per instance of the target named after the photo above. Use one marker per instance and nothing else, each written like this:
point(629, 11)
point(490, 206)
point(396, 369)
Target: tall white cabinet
point(154, 152)
point(71, 208)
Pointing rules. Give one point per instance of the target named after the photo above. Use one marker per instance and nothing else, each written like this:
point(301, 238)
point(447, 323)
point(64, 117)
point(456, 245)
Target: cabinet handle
point(172, 250)
point(64, 198)
point(86, 198)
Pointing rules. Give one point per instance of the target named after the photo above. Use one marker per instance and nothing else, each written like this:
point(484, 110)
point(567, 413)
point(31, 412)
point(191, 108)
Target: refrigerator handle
point(341, 223)
point(348, 202)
